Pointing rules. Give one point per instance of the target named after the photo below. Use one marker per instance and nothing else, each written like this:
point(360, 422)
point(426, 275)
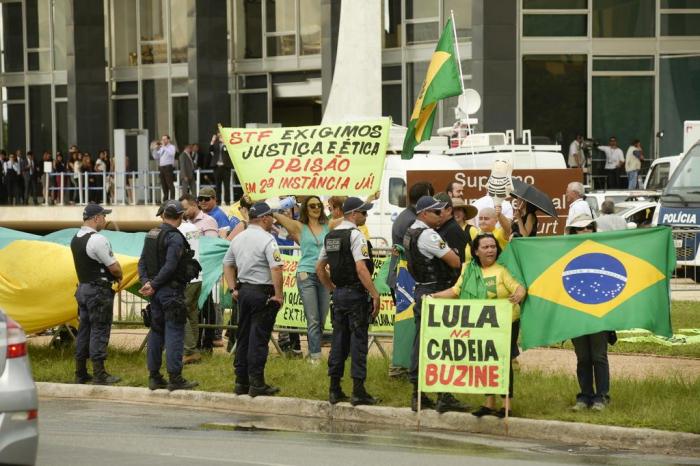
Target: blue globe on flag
point(594, 278)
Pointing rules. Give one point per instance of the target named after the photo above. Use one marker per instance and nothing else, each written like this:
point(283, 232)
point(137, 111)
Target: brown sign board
point(553, 182)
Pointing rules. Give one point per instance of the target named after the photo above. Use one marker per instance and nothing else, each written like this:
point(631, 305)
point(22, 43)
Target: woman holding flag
point(483, 278)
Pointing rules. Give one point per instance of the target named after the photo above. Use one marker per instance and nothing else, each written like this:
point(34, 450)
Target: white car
point(19, 431)
point(639, 213)
point(595, 199)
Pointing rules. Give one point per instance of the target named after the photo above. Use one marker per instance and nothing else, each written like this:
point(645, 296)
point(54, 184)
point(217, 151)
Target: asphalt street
point(89, 432)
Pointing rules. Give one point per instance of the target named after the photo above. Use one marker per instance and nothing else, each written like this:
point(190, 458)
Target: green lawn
point(655, 403)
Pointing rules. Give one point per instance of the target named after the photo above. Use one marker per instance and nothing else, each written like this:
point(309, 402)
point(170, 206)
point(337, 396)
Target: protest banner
point(465, 346)
point(331, 160)
point(553, 182)
point(291, 314)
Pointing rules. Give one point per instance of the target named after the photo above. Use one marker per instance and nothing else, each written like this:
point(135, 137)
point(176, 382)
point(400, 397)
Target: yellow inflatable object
point(38, 283)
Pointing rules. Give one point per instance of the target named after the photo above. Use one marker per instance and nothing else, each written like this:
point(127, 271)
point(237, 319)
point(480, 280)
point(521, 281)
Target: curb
point(657, 441)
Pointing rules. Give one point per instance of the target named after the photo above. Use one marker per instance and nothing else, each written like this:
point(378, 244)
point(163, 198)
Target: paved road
point(75, 432)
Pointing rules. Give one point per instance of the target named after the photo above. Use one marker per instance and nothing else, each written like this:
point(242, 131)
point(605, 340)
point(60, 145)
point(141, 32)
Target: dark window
point(15, 131)
point(679, 91)
point(62, 127)
point(180, 123)
point(15, 93)
point(252, 81)
point(623, 18)
point(249, 26)
point(391, 102)
point(126, 88)
point(61, 91)
point(13, 51)
point(391, 18)
point(555, 25)
point(555, 4)
point(253, 108)
point(680, 3)
point(126, 116)
point(623, 64)
point(40, 127)
point(680, 25)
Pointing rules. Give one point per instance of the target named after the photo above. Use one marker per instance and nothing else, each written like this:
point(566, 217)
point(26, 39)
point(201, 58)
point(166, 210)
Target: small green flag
point(441, 81)
point(583, 284)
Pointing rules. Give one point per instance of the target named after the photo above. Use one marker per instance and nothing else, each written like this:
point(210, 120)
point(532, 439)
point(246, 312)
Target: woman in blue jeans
point(309, 231)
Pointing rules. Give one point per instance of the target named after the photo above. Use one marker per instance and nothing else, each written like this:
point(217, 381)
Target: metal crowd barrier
point(686, 242)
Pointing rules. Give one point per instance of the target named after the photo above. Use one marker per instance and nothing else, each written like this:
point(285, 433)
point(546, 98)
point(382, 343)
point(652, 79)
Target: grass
point(684, 314)
point(657, 403)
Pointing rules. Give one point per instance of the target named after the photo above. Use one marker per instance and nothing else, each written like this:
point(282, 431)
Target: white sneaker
point(314, 361)
point(598, 406)
point(579, 406)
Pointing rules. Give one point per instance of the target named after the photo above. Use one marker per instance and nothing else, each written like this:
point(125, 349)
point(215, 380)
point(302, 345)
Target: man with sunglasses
point(207, 202)
point(253, 273)
point(355, 299)
point(96, 268)
point(434, 266)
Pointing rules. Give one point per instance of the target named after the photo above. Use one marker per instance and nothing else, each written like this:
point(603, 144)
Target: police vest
point(426, 270)
point(87, 268)
point(340, 259)
point(155, 249)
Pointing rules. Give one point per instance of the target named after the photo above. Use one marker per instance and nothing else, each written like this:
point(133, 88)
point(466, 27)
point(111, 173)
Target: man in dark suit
point(27, 166)
point(221, 163)
point(186, 167)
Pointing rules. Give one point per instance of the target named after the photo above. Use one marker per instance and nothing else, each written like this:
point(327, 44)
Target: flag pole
point(459, 61)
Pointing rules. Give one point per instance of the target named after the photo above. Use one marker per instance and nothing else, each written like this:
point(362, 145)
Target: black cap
point(94, 209)
point(172, 208)
point(444, 197)
point(429, 203)
point(355, 204)
point(259, 209)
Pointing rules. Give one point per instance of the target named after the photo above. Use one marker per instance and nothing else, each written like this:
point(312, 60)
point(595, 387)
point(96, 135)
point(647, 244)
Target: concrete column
point(207, 60)
point(330, 23)
point(494, 62)
point(88, 109)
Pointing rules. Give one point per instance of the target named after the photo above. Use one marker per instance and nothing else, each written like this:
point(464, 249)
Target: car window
point(658, 178)
point(397, 192)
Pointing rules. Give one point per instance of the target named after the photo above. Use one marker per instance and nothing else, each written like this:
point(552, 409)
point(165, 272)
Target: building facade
point(71, 71)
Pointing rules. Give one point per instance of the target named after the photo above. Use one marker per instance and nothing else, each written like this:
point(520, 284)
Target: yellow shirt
point(500, 284)
point(365, 231)
point(498, 233)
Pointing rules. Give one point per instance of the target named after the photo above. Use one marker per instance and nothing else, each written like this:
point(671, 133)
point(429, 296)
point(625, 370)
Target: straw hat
point(470, 211)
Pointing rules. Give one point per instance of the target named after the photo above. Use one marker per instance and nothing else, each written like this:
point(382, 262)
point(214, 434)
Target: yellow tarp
point(38, 282)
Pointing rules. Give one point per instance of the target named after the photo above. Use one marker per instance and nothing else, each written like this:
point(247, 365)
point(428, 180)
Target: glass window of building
point(12, 116)
point(180, 32)
point(248, 24)
point(153, 34)
point(624, 18)
point(391, 93)
point(252, 99)
point(391, 23)
point(280, 27)
point(38, 35)
point(180, 122)
point(155, 108)
point(554, 96)
point(125, 114)
point(124, 30)
point(555, 18)
point(60, 9)
point(422, 21)
point(12, 44)
point(62, 127)
point(40, 127)
point(680, 24)
point(678, 101)
point(463, 16)
point(555, 4)
point(310, 27)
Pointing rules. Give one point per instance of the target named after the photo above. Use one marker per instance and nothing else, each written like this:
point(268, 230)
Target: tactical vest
point(155, 249)
point(426, 270)
point(340, 259)
point(87, 268)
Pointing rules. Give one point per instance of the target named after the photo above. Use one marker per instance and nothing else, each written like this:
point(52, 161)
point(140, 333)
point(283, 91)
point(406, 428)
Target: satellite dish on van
point(469, 102)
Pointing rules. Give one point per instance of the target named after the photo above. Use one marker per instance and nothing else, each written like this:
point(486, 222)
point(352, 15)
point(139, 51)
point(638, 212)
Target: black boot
point(425, 402)
point(335, 393)
point(178, 382)
point(447, 402)
point(258, 387)
point(242, 386)
point(156, 381)
point(81, 373)
point(101, 376)
point(360, 395)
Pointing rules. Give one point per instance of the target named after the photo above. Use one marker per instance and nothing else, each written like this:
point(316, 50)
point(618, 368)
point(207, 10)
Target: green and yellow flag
point(441, 81)
point(583, 284)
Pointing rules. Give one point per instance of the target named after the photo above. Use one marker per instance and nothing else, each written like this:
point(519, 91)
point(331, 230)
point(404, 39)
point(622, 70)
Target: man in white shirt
point(164, 152)
point(614, 159)
point(576, 159)
point(577, 203)
point(633, 163)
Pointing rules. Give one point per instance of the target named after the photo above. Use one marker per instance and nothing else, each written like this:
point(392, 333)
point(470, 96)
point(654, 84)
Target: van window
point(397, 192)
point(658, 177)
point(687, 175)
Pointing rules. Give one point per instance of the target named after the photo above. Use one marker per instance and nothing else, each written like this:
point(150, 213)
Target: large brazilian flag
point(583, 284)
point(442, 80)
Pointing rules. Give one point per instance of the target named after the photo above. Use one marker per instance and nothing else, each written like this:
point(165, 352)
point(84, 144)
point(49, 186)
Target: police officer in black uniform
point(355, 300)
point(435, 267)
point(96, 268)
point(253, 272)
point(166, 265)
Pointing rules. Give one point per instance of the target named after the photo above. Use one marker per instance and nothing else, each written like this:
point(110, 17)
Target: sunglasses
point(204, 198)
point(436, 211)
point(314, 206)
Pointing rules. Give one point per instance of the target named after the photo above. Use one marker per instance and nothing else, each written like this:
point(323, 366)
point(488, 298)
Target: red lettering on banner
point(430, 374)
point(493, 376)
point(459, 381)
point(250, 187)
point(480, 378)
point(446, 378)
point(462, 375)
point(458, 333)
point(276, 165)
point(264, 134)
point(234, 138)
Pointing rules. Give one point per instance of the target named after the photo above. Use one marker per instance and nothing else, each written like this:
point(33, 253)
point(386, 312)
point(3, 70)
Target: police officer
point(166, 265)
point(96, 268)
point(253, 273)
point(355, 300)
point(435, 267)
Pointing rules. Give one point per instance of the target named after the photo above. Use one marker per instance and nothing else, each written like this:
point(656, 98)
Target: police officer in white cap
point(435, 267)
point(355, 300)
point(96, 268)
point(253, 272)
point(166, 265)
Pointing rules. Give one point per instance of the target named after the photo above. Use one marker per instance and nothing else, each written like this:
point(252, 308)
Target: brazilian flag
point(583, 284)
point(442, 80)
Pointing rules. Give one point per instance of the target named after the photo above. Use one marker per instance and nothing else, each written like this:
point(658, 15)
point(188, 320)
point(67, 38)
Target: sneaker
point(579, 406)
point(598, 406)
point(154, 383)
point(484, 411)
point(178, 382)
point(263, 390)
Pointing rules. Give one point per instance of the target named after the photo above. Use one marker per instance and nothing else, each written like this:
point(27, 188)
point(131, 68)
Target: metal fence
point(686, 242)
point(139, 187)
